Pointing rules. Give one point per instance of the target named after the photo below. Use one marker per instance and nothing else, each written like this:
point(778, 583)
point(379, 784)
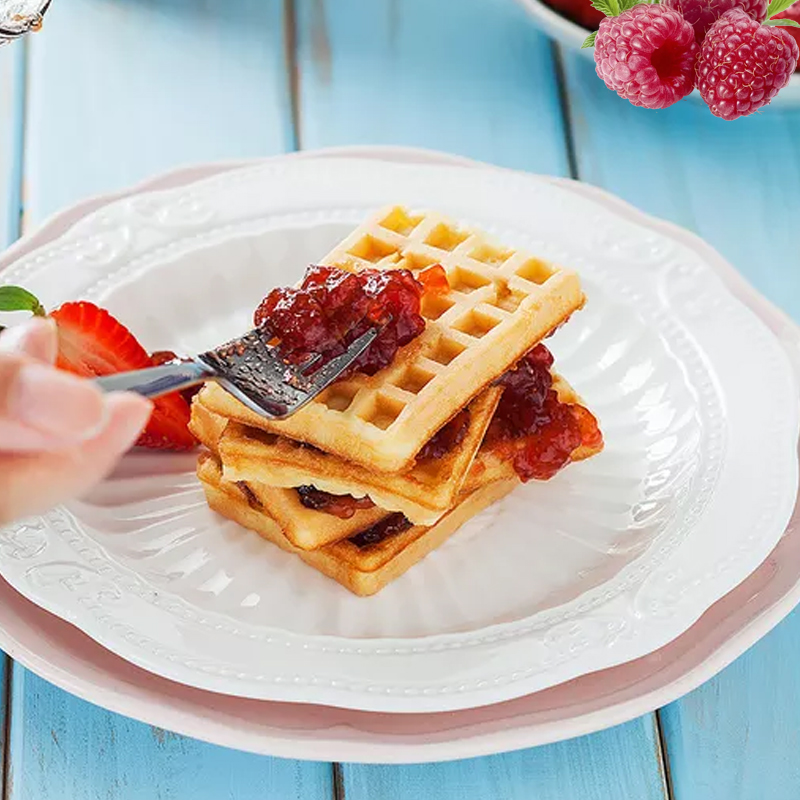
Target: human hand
point(59, 434)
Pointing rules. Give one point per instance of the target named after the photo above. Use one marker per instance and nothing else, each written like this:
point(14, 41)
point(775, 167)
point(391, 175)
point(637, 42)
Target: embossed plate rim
point(406, 702)
point(63, 655)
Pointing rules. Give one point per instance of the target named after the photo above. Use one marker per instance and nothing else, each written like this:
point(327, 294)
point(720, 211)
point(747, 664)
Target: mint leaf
point(789, 22)
point(15, 298)
point(776, 6)
point(589, 41)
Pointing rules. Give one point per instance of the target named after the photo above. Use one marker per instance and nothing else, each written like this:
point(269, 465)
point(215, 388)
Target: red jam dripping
point(434, 280)
point(333, 307)
point(343, 506)
point(447, 437)
point(380, 531)
point(532, 427)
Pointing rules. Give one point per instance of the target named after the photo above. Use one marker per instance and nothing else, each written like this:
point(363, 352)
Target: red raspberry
point(647, 55)
point(743, 64)
point(793, 12)
point(702, 14)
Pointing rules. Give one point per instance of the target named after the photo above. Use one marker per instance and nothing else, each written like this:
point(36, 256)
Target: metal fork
point(250, 369)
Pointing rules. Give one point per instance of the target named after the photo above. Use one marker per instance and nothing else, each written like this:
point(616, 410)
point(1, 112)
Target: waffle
point(364, 571)
point(206, 426)
point(500, 304)
point(424, 494)
point(305, 528)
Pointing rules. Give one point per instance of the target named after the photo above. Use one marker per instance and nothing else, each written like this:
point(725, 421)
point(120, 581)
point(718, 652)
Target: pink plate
point(63, 655)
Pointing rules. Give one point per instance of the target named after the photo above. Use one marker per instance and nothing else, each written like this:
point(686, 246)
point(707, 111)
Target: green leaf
point(788, 22)
point(15, 298)
point(604, 6)
point(589, 41)
point(776, 6)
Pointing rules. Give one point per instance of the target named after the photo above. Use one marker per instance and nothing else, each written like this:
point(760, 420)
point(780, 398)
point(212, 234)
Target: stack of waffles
point(341, 483)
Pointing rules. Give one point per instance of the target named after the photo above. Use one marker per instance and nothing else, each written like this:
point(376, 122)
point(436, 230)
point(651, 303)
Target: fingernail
point(57, 403)
point(36, 338)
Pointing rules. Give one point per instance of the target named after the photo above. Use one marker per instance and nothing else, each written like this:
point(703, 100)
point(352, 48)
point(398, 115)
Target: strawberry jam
point(434, 280)
point(250, 496)
point(333, 307)
point(380, 531)
point(343, 506)
point(447, 437)
point(531, 426)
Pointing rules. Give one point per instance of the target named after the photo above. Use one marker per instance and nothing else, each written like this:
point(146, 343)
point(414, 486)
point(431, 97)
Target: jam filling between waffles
point(345, 506)
point(333, 307)
point(530, 426)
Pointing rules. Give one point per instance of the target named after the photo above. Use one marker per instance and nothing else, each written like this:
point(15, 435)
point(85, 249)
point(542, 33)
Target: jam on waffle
point(494, 306)
point(453, 405)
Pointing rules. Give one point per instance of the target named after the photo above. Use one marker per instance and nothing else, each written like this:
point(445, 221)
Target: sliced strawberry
point(168, 428)
point(93, 343)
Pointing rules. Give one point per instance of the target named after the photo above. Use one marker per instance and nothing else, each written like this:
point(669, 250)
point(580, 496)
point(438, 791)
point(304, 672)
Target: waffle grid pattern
point(501, 303)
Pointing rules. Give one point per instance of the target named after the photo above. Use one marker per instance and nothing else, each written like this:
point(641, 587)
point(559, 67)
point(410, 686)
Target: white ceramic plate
point(571, 35)
point(660, 532)
point(63, 655)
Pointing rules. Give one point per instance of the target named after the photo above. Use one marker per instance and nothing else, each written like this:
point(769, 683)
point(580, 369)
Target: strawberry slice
point(92, 343)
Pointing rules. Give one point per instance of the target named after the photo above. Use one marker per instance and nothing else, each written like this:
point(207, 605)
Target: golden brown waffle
point(500, 304)
point(206, 426)
point(424, 494)
point(364, 571)
point(306, 528)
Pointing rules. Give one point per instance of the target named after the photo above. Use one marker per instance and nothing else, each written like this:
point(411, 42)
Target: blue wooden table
point(112, 91)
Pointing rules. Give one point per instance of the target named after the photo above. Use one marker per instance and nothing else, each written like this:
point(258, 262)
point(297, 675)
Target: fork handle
point(155, 381)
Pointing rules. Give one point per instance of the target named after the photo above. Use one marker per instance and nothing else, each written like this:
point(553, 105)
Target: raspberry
point(702, 14)
point(793, 12)
point(647, 55)
point(743, 64)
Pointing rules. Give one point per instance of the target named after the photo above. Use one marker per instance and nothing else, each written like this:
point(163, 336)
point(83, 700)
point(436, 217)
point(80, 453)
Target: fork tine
point(307, 366)
point(269, 385)
point(329, 372)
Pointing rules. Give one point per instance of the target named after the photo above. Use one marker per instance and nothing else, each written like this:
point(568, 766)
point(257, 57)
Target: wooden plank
point(617, 764)
point(473, 77)
point(66, 749)
point(12, 71)
point(477, 80)
point(119, 91)
point(737, 185)
point(737, 737)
